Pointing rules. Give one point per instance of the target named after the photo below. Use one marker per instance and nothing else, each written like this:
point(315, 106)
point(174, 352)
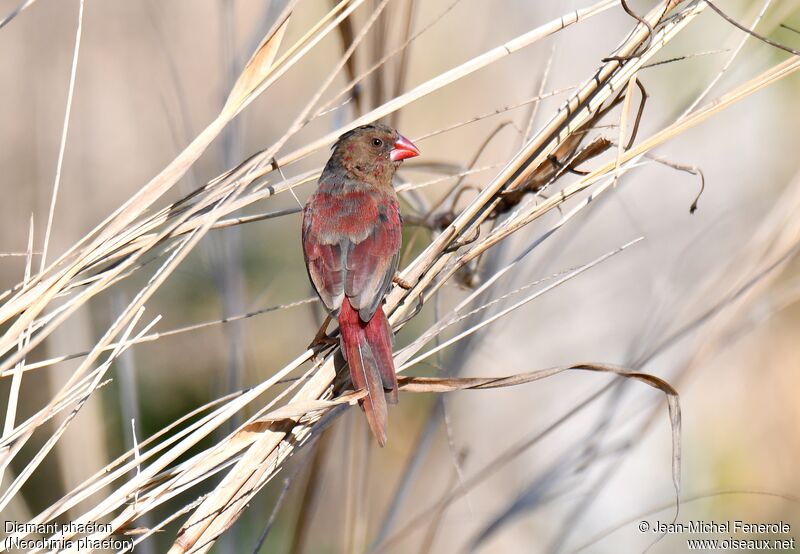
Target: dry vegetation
point(203, 470)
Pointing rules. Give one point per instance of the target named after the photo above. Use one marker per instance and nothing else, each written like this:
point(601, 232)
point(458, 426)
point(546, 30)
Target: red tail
point(367, 347)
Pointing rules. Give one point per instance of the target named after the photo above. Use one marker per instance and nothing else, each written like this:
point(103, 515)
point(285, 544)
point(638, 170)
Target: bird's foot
point(402, 283)
point(320, 344)
point(321, 340)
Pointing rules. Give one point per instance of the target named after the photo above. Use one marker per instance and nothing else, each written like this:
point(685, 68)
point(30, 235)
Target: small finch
point(352, 230)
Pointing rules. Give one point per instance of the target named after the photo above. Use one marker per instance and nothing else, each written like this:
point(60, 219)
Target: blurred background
point(575, 460)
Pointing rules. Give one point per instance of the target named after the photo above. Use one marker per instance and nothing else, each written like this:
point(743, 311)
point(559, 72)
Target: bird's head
point(372, 152)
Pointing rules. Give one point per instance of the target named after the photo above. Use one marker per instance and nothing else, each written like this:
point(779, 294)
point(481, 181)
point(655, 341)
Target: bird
point(351, 235)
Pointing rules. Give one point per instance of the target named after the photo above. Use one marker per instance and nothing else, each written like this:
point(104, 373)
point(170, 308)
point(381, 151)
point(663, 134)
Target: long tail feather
point(379, 337)
point(368, 350)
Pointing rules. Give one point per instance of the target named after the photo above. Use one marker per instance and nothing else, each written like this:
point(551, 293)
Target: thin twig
point(750, 32)
point(728, 64)
point(65, 129)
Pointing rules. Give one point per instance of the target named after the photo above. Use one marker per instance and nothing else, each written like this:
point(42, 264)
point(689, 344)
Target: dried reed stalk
point(258, 449)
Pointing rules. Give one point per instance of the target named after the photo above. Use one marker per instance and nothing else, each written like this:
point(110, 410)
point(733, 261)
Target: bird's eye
point(377, 142)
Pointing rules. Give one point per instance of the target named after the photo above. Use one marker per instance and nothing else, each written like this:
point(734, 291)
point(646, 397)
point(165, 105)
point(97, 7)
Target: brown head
point(371, 153)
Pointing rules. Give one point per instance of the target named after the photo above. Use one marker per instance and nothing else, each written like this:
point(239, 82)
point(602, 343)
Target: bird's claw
point(417, 309)
point(321, 343)
point(322, 340)
point(402, 283)
point(463, 242)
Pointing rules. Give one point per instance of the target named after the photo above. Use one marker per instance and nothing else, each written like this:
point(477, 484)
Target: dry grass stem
point(151, 238)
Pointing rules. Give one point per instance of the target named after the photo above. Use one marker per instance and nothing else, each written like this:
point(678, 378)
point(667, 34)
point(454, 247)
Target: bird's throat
point(378, 174)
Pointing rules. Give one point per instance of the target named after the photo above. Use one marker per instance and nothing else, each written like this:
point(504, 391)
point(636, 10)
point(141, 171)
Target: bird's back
point(351, 239)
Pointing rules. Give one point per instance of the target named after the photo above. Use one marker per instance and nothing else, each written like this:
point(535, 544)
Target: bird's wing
point(324, 260)
point(351, 242)
point(371, 263)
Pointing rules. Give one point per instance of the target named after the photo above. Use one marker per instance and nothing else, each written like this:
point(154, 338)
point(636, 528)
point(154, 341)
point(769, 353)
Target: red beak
point(403, 148)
